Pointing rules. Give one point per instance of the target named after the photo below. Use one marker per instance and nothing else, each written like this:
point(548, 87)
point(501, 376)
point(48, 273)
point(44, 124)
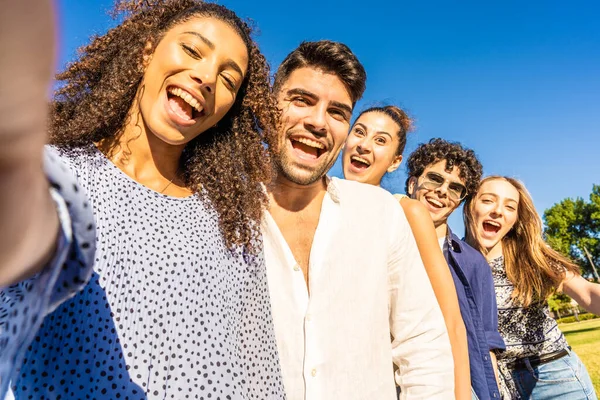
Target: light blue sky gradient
point(518, 82)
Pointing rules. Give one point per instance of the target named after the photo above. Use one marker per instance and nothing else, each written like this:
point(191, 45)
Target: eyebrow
point(201, 37)
point(450, 182)
point(230, 63)
point(380, 132)
point(306, 93)
point(496, 196)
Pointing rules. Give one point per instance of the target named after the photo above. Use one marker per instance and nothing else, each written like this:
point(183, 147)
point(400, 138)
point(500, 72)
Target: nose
point(316, 120)
point(364, 146)
point(443, 189)
point(206, 77)
point(497, 211)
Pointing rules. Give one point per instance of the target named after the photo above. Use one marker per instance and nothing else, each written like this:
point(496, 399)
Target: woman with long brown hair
point(163, 121)
point(501, 221)
point(374, 148)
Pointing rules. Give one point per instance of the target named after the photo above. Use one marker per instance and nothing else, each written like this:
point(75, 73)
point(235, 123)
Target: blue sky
point(518, 82)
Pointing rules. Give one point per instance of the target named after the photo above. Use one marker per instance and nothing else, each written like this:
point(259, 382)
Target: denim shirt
point(477, 300)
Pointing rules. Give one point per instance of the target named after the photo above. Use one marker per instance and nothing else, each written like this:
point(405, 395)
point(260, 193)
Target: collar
point(453, 241)
point(332, 189)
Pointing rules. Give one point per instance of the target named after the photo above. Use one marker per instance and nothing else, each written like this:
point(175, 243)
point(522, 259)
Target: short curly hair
point(227, 165)
point(436, 150)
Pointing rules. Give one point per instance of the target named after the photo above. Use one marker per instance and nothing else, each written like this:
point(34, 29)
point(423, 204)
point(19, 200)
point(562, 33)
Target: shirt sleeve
point(24, 305)
point(420, 343)
point(489, 309)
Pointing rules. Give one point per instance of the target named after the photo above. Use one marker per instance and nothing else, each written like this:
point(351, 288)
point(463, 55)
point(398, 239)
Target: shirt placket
point(315, 365)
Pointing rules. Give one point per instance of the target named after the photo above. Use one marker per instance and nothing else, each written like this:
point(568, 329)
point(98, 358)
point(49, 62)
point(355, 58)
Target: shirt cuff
point(495, 341)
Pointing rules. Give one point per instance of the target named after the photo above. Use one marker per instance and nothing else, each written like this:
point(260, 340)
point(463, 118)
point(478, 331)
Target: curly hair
point(227, 164)
point(436, 150)
point(400, 118)
point(330, 57)
point(534, 268)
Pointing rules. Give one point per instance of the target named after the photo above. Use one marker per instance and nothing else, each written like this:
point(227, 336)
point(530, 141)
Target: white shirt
point(367, 282)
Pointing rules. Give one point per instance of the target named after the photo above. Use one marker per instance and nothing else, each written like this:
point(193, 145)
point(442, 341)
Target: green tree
point(560, 303)
point(574, 225)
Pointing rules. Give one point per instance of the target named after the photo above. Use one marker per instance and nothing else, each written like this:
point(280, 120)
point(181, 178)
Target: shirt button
point(313, 372)
point(485, 358)
point(296, 267)
point(495, 395)
point(308, 317)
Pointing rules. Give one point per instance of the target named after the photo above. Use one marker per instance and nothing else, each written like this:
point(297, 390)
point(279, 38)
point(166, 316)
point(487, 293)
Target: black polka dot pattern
point(24, 305)
point(169, 312)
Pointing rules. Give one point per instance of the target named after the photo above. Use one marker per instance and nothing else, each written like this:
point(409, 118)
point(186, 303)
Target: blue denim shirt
point(477, 300)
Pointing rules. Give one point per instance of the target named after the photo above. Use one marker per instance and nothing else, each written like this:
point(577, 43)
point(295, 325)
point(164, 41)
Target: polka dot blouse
point(169, 312)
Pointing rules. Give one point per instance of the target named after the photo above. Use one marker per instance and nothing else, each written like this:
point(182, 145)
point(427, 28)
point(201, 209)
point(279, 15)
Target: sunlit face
point(496, 209)
point(440, 202)
point(316, 110)
point(192, 79)
point(370, 149)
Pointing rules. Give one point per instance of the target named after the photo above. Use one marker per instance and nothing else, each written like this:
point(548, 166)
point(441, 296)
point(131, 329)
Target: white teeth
point(188, 98)
point(311, 143)
point(435, 202)
point(360, 160)
point(493, 223)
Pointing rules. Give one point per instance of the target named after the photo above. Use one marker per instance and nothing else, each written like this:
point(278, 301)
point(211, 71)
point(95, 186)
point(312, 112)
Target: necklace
point(171, 181)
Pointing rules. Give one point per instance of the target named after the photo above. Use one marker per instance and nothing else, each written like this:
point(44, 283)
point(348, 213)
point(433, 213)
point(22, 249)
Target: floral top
point(527, 331)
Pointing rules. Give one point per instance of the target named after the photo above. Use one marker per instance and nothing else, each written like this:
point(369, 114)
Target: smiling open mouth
point(184, 104)
point(491, 226)
point(310, 148)
point(434, 202)
point(359, 163)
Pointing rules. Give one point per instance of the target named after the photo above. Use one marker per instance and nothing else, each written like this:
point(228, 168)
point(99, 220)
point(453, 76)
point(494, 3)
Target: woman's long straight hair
point(534, 268)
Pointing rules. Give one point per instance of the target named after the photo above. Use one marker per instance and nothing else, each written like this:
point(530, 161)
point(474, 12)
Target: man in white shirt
point(343, 268)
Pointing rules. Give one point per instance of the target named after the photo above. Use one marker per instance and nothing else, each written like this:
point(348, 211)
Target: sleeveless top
point(527, 331)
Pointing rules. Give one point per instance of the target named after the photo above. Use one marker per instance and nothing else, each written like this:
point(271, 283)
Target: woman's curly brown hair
point(226, 164)
point(455, 155)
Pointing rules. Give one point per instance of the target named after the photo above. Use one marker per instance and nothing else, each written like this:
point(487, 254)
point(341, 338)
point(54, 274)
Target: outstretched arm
point(586, 294)
point(28, 215)
point(420, 345)
point(444, 289)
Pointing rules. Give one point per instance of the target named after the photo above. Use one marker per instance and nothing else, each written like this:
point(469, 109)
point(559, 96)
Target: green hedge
point(582, 317)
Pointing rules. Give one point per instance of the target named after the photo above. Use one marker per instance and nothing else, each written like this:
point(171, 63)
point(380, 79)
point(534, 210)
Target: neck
point(441, 230)
point(494, 252)
point(144, 157)
point(294, 197)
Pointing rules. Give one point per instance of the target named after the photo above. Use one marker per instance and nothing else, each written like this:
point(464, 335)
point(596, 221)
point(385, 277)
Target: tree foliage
point(574, 225)
point(559, 302)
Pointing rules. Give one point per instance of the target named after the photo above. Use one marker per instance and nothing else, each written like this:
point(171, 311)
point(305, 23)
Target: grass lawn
point(584, 338)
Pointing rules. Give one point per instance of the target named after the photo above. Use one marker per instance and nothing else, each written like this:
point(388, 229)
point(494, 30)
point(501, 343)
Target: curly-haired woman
point(502, 222)
point(163, 120)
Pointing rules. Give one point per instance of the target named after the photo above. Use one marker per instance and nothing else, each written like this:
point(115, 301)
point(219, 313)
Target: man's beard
point(284, 168)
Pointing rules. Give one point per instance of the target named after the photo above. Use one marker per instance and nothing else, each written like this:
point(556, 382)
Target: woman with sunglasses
point(502, 222)
point(373, 148)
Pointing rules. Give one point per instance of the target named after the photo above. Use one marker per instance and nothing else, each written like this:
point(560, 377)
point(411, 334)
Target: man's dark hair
point(330, 57)
point(470, 169)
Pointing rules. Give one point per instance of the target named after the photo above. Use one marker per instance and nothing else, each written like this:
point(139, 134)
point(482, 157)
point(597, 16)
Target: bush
point(582, 317)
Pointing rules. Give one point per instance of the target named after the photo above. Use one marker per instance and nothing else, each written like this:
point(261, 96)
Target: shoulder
point(350, 191)
point(412, 208)
point(469, 257)
point(75, 159)
point(368, 203)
